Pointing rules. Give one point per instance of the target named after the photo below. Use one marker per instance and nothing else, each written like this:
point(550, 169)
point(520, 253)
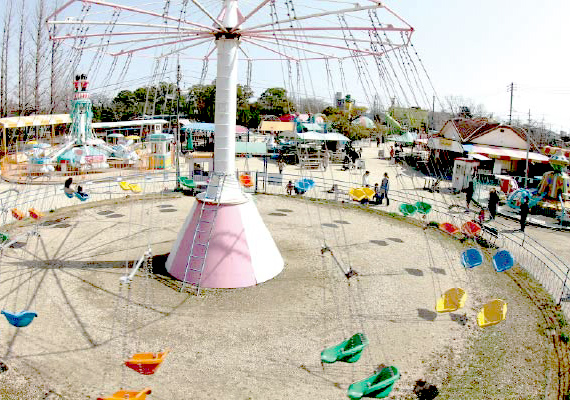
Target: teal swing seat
point(188, 183)
point(423, 208)
point(20, 319)
point(378, 385)
point(348, 351)
point(407, 209)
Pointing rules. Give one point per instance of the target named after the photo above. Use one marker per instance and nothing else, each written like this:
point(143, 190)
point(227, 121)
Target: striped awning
point(504, 153)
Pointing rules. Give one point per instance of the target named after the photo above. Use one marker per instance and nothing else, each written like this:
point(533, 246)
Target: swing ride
point(225, 218)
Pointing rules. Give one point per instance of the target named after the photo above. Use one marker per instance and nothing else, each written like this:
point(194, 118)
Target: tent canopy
point(34, 120)
point(312, 135)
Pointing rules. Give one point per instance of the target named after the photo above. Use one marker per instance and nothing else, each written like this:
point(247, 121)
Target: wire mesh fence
point(543, 265)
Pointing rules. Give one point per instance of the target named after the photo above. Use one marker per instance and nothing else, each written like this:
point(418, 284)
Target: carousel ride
point(82, 150)
point(553, 193)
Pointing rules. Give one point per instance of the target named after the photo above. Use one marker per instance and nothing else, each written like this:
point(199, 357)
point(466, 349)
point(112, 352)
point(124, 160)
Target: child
point(481, 217)
point(290, 188)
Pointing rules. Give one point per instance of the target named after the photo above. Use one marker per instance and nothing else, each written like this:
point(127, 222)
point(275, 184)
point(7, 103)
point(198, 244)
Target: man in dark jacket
point(493, 202)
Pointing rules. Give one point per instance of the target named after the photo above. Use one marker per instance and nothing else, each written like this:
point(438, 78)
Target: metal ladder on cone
point(204, 227)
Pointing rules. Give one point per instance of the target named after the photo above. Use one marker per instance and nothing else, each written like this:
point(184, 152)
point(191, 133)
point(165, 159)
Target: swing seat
point(35, 214)
point(20, 319)
point(471, 229)
point(423, 208)
point(452, 300)
point(146, 363)
point(358, 194)
point(68, 192)
point(4, 237)
point(503, 260)
point(348, 351)
point(245, 180)
point(302, 185)
point(18, 214)
point(188, 183)
point(449, 228)
point(136, 188)
point(471, 258)
point(81, 196)
point(128, 394)
point(407, 209)
point(492, 313)
point(378, 385)
point(124, 185)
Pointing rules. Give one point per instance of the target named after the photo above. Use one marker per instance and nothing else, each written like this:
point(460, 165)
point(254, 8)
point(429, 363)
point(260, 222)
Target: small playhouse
point(161, 150)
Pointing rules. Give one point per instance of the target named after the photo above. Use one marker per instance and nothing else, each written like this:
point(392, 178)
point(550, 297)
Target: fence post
point(563, 286)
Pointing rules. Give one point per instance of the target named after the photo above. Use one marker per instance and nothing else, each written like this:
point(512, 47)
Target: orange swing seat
point(35, 214)
point(146, 363)
point(18, 214)
point(128, 394)
point(246, 180)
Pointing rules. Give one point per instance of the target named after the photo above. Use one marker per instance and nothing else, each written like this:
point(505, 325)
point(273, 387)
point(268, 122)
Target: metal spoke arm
point(318, 15)
point(120, 53)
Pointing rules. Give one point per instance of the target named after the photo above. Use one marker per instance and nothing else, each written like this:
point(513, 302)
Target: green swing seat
point(348, 351)
point(4, 237)
point(187, 182)
point(407, 209)
point(423, 208)
point(378, 385)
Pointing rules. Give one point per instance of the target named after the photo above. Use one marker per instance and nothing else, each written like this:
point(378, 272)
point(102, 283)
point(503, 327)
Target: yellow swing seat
point(492, 313)
point(124, 185)
point(452, 300)
point(146, 363)
point(135, 188)
point(128, 394)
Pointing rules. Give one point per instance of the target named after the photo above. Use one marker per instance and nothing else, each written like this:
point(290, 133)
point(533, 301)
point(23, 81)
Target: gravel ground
point(262, 342)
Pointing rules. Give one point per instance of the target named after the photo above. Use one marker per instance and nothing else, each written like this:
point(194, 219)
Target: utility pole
point(177, 147)
point(511, 88)
point(527, 151)
point(433, 113)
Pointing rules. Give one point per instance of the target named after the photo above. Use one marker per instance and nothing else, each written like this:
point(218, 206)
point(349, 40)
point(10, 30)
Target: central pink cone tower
point(240, 251)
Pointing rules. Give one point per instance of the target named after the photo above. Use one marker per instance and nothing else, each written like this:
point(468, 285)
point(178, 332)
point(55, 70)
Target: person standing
point(384, 187)
point(377, 141)
point(469, 194)
point(524, 212)
point(366, 179)
point(376, 194)
point(493, 202)
point(326, 158)
point(280, 165)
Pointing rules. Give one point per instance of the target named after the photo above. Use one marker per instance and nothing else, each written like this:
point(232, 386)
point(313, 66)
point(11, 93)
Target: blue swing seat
point(348, 350)
point(69, 195)
point(81, 196)
point(503, 260)
point(471, 258)
point(20, 319)
point(378, 385)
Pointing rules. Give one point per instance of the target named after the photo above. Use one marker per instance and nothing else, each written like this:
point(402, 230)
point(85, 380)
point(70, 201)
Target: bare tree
point(21, 62)
point(4, 61)
point(56, 70)
point(40, 41)
point(311, 105)
point(460, 105)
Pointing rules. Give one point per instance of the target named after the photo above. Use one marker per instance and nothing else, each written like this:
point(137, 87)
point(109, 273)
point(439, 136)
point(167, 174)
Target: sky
point(473, 50)
point(477, 49)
